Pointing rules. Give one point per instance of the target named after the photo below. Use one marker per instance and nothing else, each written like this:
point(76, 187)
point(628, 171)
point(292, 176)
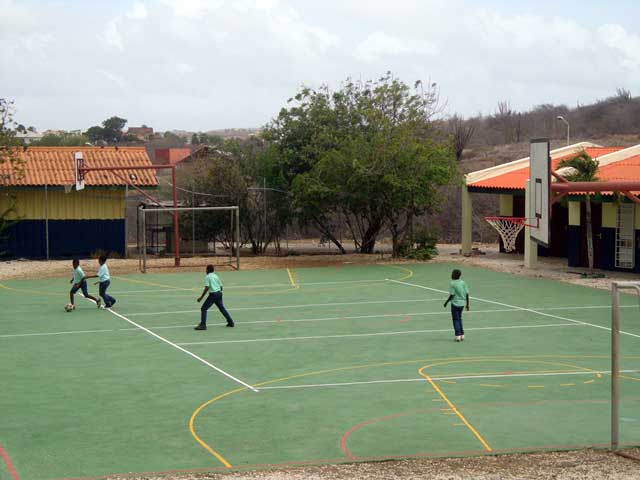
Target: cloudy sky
point(207, 64)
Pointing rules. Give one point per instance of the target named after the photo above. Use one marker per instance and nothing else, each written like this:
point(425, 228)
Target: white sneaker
point(458, 339)
point(462, 338)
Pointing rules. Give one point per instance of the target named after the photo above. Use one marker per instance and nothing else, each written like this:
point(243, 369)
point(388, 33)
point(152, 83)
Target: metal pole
point(237, 209)
point(144, 239)
point(193, 219)
point(138, 238)
point(126, 221)
point(231, 235)
point(46, 219)
point(264, 192)
point(615, 367)
point(176, 226)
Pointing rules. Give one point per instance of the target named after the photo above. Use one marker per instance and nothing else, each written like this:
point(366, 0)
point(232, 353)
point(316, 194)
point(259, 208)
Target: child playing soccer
point(104, 279)
point(459, 298)
point(80, 283)
point(213, 286)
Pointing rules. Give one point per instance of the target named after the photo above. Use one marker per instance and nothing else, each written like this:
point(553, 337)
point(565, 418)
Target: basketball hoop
point(508, 228)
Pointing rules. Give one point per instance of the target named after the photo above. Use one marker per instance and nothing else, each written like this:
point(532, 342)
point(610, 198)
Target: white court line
point(537, 312)
point(277, 307)
point(463, 377)
point(44, 334)
point(304, 320)
point(233, 287)
point(375, 334)
point(184, 350)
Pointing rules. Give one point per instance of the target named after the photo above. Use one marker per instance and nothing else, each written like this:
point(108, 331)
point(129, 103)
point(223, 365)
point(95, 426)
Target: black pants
point(456, 315)
point(108, 299)
point(214, 297)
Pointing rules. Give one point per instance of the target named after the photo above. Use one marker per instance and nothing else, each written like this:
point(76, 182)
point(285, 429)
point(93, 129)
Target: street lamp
point(562, 119)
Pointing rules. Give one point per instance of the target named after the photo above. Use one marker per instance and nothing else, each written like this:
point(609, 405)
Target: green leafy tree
point(111, 131)
point(234, 174)
point(366, 156)
point(585, 169)
point(11, 164)
point(61, 140)
point(95, 134)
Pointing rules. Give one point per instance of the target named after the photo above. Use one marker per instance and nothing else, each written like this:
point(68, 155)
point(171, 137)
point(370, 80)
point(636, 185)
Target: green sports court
point(325, 365)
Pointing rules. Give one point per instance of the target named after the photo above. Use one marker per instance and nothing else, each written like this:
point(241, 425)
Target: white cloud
point(112, 36)
point(625, 44)
point(115, 79)
point(201, 64)
point(379, 45)
point(138, 11)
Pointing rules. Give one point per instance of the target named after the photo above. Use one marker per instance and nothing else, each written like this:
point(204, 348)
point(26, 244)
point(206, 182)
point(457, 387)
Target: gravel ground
point(583, 464)
point(577, 465)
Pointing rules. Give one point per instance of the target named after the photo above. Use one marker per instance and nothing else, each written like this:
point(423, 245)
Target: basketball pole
point(530, 246)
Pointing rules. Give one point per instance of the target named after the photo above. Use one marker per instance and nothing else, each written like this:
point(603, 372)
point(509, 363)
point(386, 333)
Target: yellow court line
point(455, 410)
point(197, 437)
point(154, 284)
point(589, 381)
point(404, 269)
point(360, 367)
point(535, 386)
point(36, 292)
point(567, 384)
point(490, 385)
point(293, 282)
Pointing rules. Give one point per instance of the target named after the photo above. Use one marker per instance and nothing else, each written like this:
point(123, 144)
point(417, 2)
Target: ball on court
point(68, 307)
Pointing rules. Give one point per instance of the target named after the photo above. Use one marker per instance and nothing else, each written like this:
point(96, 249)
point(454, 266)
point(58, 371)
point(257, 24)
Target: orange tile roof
point(55, 166)
point(516, 180)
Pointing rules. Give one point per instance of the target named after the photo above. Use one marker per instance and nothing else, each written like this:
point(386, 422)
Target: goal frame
point(616, 287)
point(235, 222)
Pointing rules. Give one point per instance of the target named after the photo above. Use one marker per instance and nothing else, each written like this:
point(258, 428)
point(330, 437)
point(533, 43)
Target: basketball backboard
point(78, 161)
point(538, 210)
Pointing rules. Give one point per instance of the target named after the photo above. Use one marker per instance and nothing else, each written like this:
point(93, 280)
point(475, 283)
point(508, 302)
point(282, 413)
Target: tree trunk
point(589, 232)
point(369, 237)
point(327, 233)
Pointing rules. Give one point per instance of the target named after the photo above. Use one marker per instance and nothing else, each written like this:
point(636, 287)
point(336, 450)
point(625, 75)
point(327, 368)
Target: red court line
point(7, 461)
point(345, 436)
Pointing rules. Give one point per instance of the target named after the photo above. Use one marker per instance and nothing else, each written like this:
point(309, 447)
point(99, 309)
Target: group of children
point(458, 294)
point(79, 282)
point(212, 286)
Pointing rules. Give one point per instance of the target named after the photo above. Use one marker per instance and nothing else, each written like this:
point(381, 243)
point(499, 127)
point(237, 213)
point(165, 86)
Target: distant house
point(173, 156)
point(52, 219)
point(202, 153)
point(615, 221)
point(142, 133)
point(28, 137)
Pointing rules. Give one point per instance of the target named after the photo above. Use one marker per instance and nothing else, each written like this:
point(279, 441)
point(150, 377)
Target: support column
point(467, 221)
point(530, 246)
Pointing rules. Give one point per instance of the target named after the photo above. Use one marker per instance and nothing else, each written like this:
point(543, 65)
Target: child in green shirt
point(459, 298)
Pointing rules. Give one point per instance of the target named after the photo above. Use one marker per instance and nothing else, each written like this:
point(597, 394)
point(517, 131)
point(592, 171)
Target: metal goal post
point(234, 223)
point(616, 287)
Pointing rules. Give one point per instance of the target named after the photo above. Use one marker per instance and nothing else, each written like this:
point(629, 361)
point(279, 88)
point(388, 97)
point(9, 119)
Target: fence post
point(126, 221)
point(46, 219)
point(615, 365)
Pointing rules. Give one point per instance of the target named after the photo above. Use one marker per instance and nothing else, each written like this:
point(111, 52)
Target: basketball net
point(508, 228)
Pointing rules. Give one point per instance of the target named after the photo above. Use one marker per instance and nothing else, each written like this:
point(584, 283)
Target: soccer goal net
point(211, 232)
point(625, 365)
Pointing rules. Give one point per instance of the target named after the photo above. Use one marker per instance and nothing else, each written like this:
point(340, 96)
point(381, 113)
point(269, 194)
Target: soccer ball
point(68, 307)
